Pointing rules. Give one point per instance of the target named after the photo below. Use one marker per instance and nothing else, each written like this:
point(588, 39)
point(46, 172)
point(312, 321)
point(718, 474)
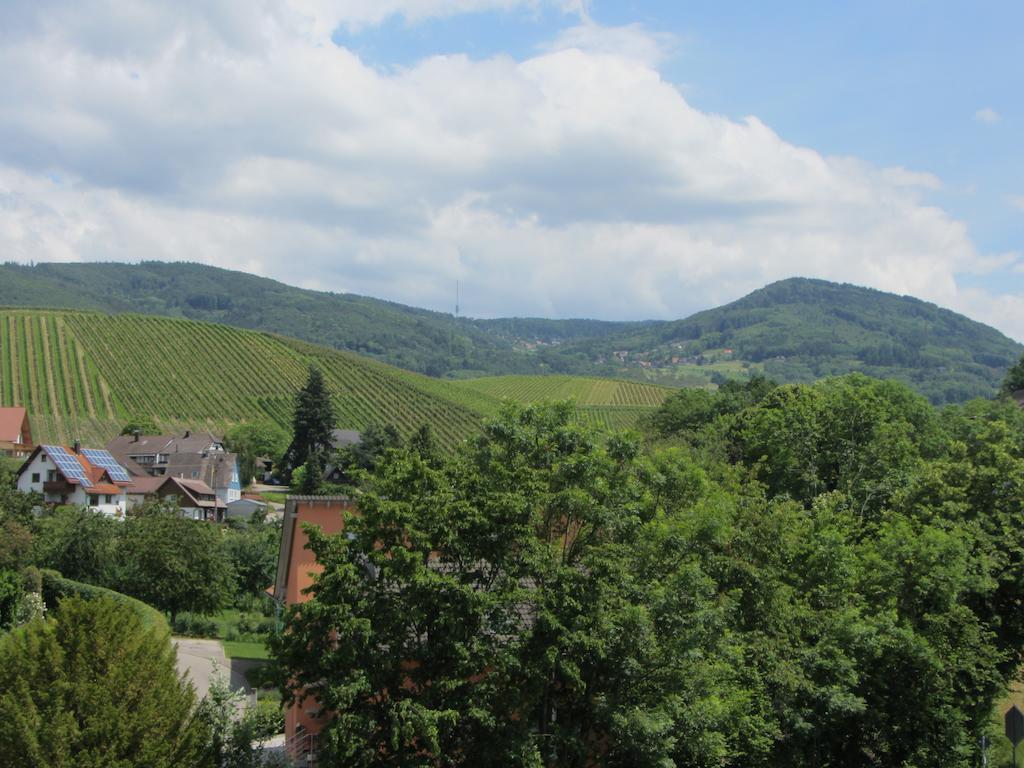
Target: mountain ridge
point(796, 329)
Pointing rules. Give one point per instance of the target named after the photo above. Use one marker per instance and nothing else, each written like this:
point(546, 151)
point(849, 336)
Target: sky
point(560, 158)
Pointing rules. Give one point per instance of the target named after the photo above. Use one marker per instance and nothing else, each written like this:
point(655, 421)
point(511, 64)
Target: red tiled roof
point(106, 488)
point(11, 421)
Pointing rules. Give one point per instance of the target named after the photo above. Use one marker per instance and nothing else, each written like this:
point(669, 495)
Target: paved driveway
point(197, 659)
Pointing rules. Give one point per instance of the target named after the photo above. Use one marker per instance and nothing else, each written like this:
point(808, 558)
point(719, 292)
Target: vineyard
point(586, 391)
point(85, 374)
point(601, 403)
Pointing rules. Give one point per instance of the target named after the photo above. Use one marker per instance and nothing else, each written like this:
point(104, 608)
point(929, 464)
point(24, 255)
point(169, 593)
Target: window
point(42, 458)
point(51, 475)
point(106, 499)
point(35, 477)
point(94, 500)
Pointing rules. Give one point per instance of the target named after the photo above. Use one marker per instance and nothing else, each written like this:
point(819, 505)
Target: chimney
point(135, 434)
point(77, 446)
point(188, 433)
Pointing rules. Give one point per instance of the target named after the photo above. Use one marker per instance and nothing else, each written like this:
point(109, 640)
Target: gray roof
point(214, 469)
point(143, 445)
point(343, 437)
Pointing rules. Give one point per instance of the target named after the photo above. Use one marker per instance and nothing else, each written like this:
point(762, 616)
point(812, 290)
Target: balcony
point(57, 487)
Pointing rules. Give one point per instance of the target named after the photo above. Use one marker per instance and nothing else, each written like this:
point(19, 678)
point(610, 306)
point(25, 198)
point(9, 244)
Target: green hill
point(85, 374)
point(432, 343)
point(801, 330)
point(793, 330)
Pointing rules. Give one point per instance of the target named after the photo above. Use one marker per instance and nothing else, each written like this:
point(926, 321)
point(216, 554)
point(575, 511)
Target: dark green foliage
point(838, 583)
point(312, 424)
point(690, 409)
point(93, 688)
point(12, 588)
point(173, 563)
point(56, 587)
point(1014, 380)
point(252, 552)
point(144, 425)
point(253, 440)
point(77, 542)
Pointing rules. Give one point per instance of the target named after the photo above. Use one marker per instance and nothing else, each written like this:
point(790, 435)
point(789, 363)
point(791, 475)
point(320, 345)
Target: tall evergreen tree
point(312, 423)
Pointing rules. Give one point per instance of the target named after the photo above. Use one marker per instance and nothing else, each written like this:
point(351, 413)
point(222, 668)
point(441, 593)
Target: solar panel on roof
point(106, 460)
point(68, 464)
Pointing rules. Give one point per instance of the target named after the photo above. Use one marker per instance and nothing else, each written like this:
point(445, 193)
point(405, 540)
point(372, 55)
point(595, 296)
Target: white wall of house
point(42, 469)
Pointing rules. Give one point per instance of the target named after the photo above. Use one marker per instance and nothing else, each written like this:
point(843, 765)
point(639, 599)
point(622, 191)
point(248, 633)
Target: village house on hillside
point(198, 456)
point(15, 433)
point(195, 498)
point(89, 477)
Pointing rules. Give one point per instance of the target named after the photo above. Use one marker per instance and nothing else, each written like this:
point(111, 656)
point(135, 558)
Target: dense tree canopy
point(823, 574)
point(173, 563)
point(91, 688)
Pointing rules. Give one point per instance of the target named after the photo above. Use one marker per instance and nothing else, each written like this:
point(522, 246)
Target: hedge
point(56, 586)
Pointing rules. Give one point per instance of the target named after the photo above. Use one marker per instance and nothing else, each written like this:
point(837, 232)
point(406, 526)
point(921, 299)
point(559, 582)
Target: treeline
point(796, 575)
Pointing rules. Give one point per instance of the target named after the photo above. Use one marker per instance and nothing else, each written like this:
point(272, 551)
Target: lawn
point(238, 649)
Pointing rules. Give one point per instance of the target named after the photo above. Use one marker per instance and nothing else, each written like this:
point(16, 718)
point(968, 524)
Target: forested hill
point(793, 330)
point(433, 343)
point(801, 330)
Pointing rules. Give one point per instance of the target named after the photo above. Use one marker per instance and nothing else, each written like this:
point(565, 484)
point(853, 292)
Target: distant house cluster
point(193, 469)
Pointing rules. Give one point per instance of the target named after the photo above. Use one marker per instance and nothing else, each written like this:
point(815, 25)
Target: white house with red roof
point(86, 477)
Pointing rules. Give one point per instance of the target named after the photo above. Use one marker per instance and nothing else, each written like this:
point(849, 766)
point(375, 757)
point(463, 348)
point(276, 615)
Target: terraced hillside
point(608, 403)
point(83, 374)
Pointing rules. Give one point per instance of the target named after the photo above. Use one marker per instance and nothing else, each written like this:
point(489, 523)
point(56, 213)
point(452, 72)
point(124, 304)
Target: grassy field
point(237, 649)
point(83, 375)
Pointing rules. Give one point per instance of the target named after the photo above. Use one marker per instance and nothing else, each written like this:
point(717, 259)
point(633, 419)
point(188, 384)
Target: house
point(89, 477)
point(217, 470)
point(151, 452)
point(143, 487)
point(15, 433)
point(296, 568)
point(244, 509)
point(190, 456)
point(195, 498)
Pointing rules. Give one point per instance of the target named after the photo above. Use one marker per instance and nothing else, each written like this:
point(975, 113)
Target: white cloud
point(632, 41)
point(987, 115)
point(1017, 201)
point(576, 182)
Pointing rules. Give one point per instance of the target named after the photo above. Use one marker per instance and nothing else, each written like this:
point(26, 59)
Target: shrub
point(55, 587)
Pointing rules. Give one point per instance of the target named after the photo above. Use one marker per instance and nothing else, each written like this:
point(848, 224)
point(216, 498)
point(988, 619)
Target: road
point(198, 658)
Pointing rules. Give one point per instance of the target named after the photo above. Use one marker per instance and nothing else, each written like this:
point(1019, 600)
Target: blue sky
point(616, 160)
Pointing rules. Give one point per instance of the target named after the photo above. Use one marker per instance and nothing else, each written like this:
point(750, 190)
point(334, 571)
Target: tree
point(252, 552)
point(312, 423)
point(144, 425)
point(91, 687)
point(173, 563)
point(1014, 379)
point(252, 440)
point(78, 542)
point(505, 608)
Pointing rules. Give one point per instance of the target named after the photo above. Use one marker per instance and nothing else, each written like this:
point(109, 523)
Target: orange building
point(296, 568)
